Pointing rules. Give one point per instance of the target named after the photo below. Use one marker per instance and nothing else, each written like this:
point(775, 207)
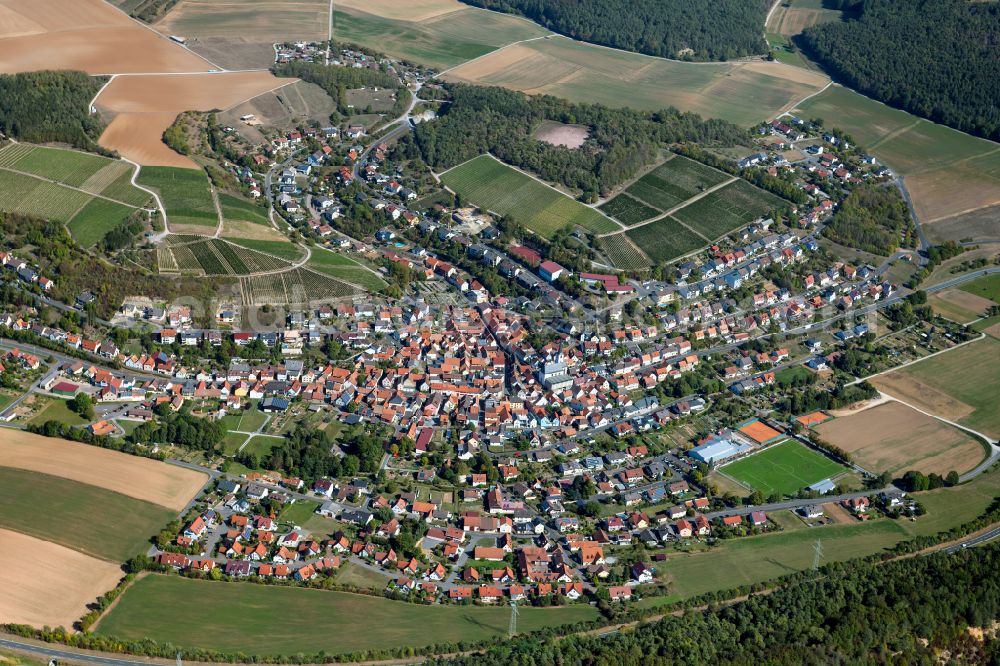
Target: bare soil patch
point(940, 194)
point(837, 513)
point(139, 137)
point(411, 10)
point(47, 584)
point(142, 478)
point(559, 134)
point(909, 388)
point(896, 438)
point(982, 224)
point(250, 231)
point(88, 35)
point(147, 105)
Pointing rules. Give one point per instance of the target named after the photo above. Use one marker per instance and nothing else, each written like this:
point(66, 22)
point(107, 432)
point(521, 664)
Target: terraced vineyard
point(31, 196)
point(299, 287)
point(665, 239)
point(494, 186)
point(628, 210)
point(214, 256)
point(622, 253)
point(728, 208)
point(344, 268)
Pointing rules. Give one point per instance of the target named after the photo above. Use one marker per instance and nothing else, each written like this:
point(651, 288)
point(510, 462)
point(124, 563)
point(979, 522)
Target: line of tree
point(908, 611)
point(685, 29)
point(500, 121)
point(873, 218)
point(51, 106)
point(935, 58)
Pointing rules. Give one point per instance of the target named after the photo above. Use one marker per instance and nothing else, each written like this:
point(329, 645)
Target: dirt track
point(47, 584)
point(141, 478)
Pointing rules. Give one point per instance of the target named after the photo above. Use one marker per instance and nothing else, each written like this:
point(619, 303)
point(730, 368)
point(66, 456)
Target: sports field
point(783, 469)
point(184, 193)
point(494, 186)
point(241, 618)
point(894, 438)
point(91, 520)
point(960, 385)
point(665, 239)
point(946, 172)
point(744, 93)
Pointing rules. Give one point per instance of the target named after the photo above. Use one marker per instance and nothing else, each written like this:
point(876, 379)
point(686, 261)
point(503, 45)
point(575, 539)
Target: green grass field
point(91, 520)
point(285, 250)
point(57, 410)
point(967, 374)
point(674, 182)
point(352, 574)
point(987, 286)
point(243, 618)
point(728, 208)
point(184, 193)
point(665, 239)
point(443, 41)
point(235, 208)
point(491, 184)
point(96, 219)
point(298, 513)
point(343, 267)
point(783, 469)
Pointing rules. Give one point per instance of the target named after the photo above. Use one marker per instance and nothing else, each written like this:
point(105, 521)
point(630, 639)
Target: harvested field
point(947, 172)
point(55, 594)
point(560, 134)
point(141, 478)
point(958, 305)
point(411, 10)
point(895, 438)
point(87, 35)
point(960, 385)
point(981, 224)
point(743, 93)
point(147, 105)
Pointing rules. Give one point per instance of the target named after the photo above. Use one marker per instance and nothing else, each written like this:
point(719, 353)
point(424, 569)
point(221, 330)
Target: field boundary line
point(496, 50)
point(680, 206)
point(788, 109)
point(156, 198)
point(162, 36)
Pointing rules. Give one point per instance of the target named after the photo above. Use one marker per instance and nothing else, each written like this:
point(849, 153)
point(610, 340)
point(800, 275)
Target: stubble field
point(45, 584)
point(88, 35)
point(894, 438)
point(743, 93)
point(141, 478)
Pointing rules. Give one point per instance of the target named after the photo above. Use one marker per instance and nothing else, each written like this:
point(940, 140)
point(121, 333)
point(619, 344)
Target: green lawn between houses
point(92, 520)
point(783, 468)
point(268, 620)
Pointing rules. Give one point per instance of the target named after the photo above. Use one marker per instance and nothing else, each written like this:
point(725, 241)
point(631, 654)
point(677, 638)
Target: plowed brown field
point(142, 478)
point(88, 35)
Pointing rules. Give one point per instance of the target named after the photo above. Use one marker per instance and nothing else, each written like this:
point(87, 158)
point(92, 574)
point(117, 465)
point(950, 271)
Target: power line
point(818, 548)
point(512, 630)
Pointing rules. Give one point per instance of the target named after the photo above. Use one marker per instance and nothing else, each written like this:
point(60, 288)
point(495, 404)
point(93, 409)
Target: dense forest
point(902, 612)
point(50, 106)
point(934, 58)
point(689, 29)
point(500, 121)
point(874, 219)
